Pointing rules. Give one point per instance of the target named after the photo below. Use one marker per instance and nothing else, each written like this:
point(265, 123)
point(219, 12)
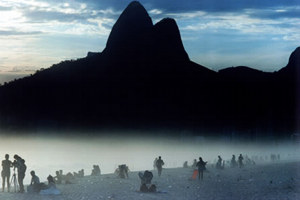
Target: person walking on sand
point(201, 167)
point(159, 164)
point(6, 165)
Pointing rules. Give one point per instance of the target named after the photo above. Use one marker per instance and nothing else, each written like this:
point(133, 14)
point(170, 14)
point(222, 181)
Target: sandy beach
point(265, 181)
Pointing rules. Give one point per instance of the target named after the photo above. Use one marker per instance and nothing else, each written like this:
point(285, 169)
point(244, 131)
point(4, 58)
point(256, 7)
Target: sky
point(260, 34)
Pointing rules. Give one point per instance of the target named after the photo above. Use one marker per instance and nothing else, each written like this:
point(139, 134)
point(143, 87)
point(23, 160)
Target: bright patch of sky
point(35, 34)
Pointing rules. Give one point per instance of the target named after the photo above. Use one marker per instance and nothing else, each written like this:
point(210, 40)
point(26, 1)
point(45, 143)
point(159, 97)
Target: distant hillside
point(145, 79)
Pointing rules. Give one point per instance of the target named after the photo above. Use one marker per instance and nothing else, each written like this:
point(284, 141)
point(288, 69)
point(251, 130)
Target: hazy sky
point(261, 34)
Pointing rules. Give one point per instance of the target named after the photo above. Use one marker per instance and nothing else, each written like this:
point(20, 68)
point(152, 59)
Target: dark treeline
point(144, 79)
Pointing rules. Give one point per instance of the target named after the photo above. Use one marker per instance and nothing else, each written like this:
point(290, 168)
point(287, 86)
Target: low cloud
point(275, 13)
point(18, 33)
point(46, 16)
point(244, 22)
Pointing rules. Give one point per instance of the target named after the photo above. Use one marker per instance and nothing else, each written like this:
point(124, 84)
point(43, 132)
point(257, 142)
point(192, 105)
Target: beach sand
point(265, 181)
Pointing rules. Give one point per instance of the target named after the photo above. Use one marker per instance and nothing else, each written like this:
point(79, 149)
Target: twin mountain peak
point(135, 35)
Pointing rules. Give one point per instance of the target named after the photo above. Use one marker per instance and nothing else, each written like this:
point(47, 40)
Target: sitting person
point(81, 173)
point(35, 185)
point(123, 171)
point(146, 177)
point(51, 181)
point(96, 170)
point(69, 177)
point(50, 188)
point(58, 178)
point(185, 164)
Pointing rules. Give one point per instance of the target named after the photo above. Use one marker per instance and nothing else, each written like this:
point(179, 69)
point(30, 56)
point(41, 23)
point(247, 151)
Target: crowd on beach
point(15, 182)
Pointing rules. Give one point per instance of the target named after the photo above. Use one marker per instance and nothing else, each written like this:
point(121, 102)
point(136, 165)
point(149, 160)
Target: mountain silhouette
point(144, 79)
point(132, 25)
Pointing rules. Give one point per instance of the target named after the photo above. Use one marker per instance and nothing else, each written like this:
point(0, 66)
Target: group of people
point(146, 177)
point(96, 170)
point(19, 164)
point(68, 178)
point(234, 163)
point(121, 171)
point(201, 165)
point(36, 186)
point(17, 179)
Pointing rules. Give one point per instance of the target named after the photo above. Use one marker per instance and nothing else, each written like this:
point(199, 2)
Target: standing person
point(233, 161)
point(19, 163)
point(194, 163)
point(154, 163)
point(201, 167)
point(6, 165)
point(241, 161)
point(159, 164)
point(219, 163)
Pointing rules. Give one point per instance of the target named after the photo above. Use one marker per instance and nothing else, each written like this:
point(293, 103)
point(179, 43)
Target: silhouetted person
point(81, 173)
point(201, 167)
point(96, 170)
point(145, 177)
point(241, 161)
point(159, 164)
point(233, 162)
point(50, 180)
point(69, 177)
point(58, 178)
point(123, 171)
point(194, 163)
point(19, 163)
point(6, 165)
point(154, 163)
point(35, 186)
point(49, 189)
point(219, 163)
point(185, 164)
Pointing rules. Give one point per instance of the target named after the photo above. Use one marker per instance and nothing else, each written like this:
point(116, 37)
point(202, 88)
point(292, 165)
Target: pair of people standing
point(18, 163)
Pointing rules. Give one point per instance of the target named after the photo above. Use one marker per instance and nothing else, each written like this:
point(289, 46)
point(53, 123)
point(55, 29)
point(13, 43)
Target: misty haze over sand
point(47, 154)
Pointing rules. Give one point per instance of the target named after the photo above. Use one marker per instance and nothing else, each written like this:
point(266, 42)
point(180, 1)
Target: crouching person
point(146, 179)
